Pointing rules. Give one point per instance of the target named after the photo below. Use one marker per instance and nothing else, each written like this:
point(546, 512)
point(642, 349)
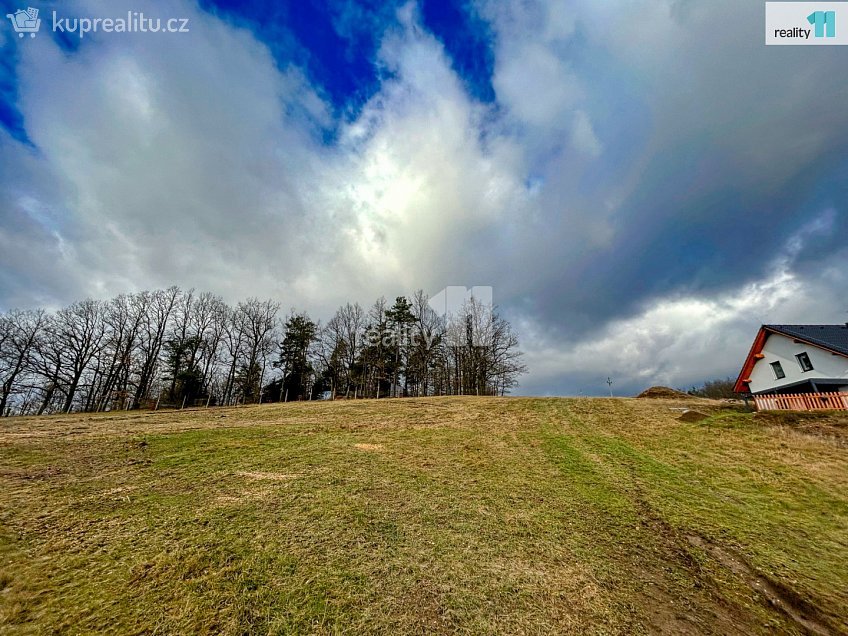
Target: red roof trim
point(741, 386)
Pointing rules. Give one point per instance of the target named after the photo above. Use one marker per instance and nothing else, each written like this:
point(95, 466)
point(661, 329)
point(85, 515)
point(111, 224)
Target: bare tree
point(213, 337)
point(429, 335)
point(482, 351)
point(79, 329)
point(19, 332)
point(123, 317)
point(331, 350)
point(374, 352)
point(179, 342)
point(506, 365)
point(259, 319)
point(158, 306)
point(234, 342)
point(346, 333)
point(95, 355)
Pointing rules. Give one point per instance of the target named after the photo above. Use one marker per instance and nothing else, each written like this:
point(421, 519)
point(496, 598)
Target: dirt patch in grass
point(250, 474)
point(28, 474)
point(369, 447)
point(774, 593)
point(692, 416)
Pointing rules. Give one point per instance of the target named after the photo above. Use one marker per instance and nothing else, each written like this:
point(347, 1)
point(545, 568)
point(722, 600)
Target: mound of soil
point(692, 416)
point(663, 393)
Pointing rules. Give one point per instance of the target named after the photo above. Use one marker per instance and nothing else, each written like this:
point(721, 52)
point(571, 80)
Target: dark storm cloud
point(738, 146)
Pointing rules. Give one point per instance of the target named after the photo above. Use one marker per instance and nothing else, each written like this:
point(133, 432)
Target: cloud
point(686, 339)
point(536, 85)
point(707, 155)
point(196, 159)
point(421, 183)
point(583, 135)
point(677, 341)
point(186, 158)
point(649, 182)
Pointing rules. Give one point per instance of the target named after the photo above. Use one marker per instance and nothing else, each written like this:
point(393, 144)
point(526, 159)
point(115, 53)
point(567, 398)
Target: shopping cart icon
point(25, 22)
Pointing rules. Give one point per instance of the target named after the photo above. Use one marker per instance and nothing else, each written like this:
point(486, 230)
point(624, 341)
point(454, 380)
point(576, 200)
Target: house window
point(804, 361)
point(778, 370)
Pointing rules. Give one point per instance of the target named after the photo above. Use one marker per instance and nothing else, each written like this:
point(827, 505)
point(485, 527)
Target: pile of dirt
point(692, 416)
point(663, 393)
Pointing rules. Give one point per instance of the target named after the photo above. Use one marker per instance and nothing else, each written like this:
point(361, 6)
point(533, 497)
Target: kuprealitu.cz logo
point(27, 22)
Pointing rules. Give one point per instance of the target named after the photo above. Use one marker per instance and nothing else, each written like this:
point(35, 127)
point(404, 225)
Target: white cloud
point(682, 341)
point(676, 341)
point(195, 160)
point(536, 85)
point(583, 135)
point(418, 178)
point(182, 157)
point(533, 78)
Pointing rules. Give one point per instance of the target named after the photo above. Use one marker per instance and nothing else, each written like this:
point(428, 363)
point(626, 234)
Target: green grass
point(452, 515)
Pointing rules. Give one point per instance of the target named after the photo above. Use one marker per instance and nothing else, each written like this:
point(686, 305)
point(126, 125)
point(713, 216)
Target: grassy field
point(450, 515)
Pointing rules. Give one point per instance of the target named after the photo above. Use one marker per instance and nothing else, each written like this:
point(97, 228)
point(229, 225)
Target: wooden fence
point(802, 402)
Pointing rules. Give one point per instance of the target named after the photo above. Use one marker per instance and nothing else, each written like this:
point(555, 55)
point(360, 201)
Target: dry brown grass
point(472, 515)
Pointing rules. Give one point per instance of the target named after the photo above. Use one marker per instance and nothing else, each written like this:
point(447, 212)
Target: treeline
point(715, 389)
point(174, 348)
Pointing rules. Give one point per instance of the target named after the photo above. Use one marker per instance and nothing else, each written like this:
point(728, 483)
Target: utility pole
point(609, 382)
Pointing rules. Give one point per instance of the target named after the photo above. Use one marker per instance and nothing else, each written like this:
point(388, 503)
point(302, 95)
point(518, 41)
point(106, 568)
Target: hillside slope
point(473, 515)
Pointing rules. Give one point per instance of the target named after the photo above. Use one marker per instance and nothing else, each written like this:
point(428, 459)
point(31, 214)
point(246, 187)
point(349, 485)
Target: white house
point(796, 359)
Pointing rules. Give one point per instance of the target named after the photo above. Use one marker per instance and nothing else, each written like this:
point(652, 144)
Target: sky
point(641, 182)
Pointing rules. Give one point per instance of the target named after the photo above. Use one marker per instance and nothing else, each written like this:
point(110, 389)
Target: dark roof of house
point(833, 337)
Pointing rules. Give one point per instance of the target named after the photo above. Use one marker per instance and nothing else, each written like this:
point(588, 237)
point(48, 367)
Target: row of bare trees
point(408, 349)
point(176, 348)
